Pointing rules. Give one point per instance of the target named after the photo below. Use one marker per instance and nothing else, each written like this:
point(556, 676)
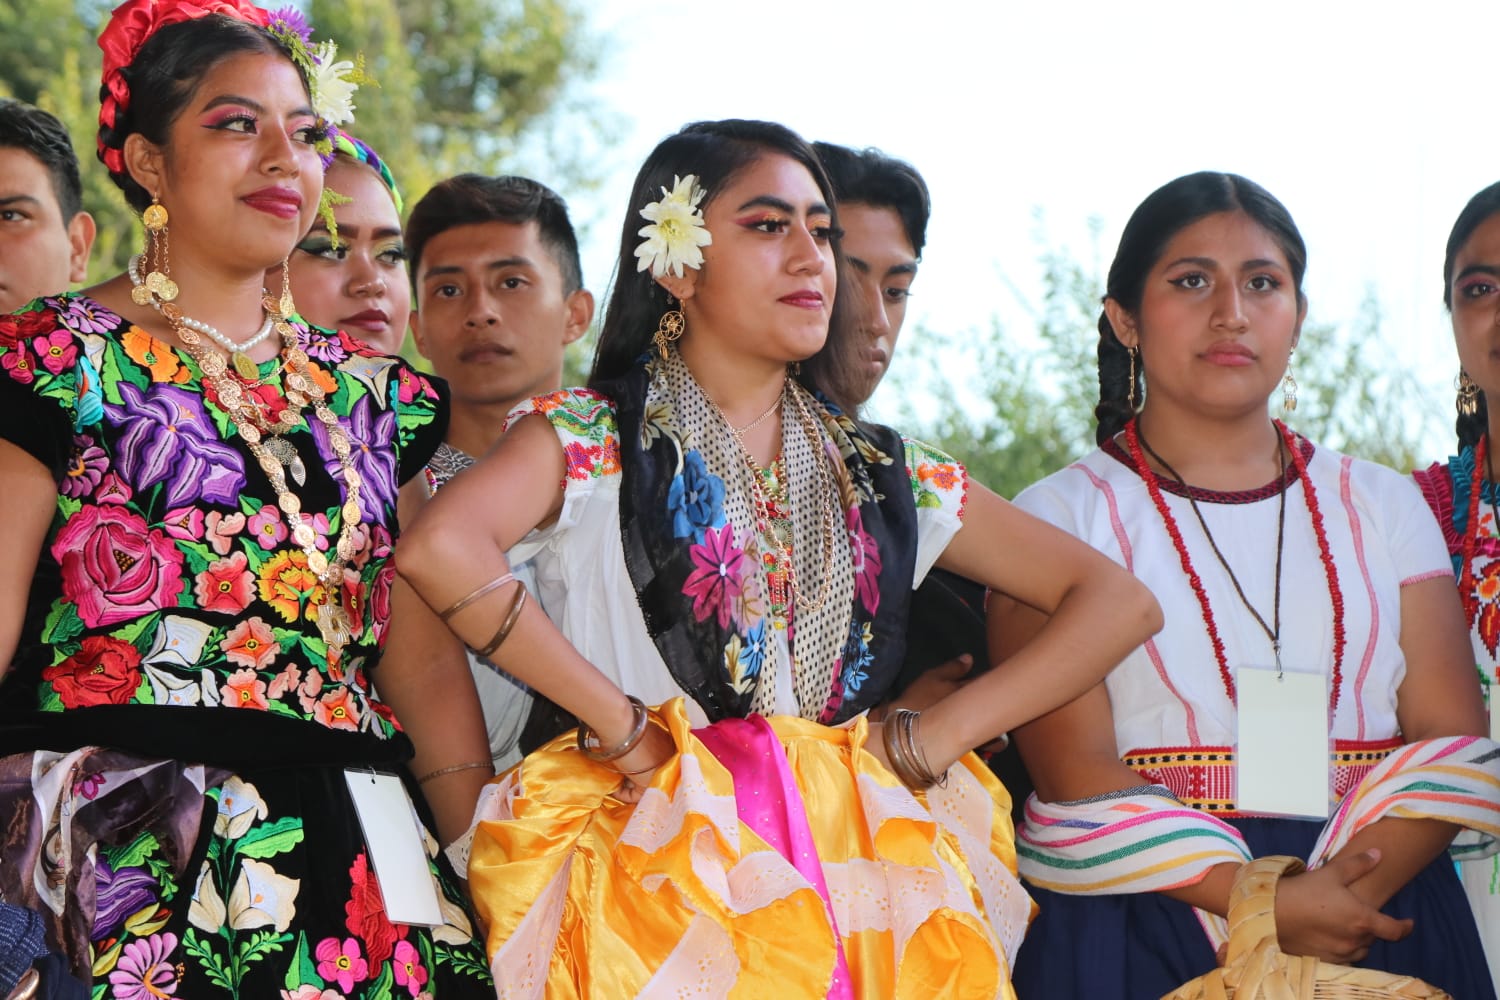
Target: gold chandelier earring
point(1289, 390)
point(288, 307)
point(1134, 353)
point(158, 284)
point(669, 329)
point(1467, 402)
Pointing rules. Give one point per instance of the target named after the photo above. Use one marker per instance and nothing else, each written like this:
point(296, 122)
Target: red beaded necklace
point(1336, 596)
point(1471, 531)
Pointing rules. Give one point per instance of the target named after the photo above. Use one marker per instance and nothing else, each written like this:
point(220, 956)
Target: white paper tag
point(397, 853)
point(1281, 760)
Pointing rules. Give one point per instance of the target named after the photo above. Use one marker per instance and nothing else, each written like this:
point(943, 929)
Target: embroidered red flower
point(365, 913)
point(251, 643)
point(244, 690)
point(227, 586)
point(104, 671)
point(114, 568)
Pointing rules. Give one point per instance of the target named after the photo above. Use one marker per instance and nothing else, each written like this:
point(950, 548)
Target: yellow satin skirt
point(586, 896)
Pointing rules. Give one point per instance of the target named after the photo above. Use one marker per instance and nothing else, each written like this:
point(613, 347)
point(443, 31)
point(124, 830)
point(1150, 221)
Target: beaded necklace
point(1336, 595)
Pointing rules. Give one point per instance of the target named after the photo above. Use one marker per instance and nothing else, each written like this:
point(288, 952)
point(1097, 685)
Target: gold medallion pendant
point(244, 367)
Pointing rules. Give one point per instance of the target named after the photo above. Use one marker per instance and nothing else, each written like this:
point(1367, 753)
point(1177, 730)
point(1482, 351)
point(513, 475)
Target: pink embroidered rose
point(285, 681)
point(380, 600)
point(114, 568)
point(113, 490)
point(227, 586)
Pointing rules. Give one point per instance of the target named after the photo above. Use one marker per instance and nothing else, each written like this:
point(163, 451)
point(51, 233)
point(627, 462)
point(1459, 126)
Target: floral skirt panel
point(768, 858)
point(161, 879)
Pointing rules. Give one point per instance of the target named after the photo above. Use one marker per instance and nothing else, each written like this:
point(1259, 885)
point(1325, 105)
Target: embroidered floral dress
point(177, 730)
point(770, 856)
point(1448, 488)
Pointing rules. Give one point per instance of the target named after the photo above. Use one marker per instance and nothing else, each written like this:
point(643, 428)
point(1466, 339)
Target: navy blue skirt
point(1144, 945)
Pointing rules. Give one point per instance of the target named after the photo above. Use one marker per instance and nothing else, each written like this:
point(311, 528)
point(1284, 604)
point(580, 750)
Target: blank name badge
point(1282, 757)
point(397, 852)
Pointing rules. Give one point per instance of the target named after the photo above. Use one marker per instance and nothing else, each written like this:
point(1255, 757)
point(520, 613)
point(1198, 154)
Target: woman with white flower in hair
point(199, 777)
point(729, 543)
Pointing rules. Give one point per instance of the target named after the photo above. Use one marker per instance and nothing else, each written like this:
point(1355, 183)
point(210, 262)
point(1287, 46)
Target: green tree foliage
point(1027, 411)
point(481, 85)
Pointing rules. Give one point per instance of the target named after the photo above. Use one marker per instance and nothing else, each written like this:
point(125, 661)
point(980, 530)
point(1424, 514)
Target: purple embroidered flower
point(695, 498)
point(373, 449)
point(325, 345)
point(715, 583)
point(170, 439)
point(56, 351)
point(146, 970)
point(121, 893)
point(865, 555)
point(85, 469)
point(84, 315)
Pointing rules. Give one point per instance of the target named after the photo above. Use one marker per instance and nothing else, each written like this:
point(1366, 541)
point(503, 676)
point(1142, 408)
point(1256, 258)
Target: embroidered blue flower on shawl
point(695, 499)
point(857, 657)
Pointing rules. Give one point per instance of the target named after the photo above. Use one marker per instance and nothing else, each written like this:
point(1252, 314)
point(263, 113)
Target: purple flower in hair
point(291, 21)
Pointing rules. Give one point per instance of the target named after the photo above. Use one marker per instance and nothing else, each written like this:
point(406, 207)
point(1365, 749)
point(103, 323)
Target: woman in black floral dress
point(201, 505)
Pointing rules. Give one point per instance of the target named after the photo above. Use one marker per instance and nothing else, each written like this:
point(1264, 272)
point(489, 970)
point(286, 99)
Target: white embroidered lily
point(676, 231)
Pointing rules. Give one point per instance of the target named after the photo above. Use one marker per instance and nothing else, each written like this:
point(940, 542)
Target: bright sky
point(1374, 122)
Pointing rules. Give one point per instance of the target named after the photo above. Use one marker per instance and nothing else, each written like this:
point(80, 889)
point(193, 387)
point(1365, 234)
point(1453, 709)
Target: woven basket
point(1256, 969)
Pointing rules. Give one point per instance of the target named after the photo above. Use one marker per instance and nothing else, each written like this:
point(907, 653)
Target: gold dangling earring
point(1133, 352)
point(287, 306)
point(1467, 403)
point(158, 281)
point(1289, 390)
point(669, 329)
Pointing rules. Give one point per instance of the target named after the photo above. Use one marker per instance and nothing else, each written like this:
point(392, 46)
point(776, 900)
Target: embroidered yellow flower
point(676, 232)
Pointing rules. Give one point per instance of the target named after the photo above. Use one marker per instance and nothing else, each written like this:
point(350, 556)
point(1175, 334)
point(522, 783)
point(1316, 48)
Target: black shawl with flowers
point(705, 651)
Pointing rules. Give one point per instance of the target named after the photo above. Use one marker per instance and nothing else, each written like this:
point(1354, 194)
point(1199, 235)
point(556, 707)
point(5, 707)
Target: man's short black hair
point(870, 177)
point(36, 132)
point(472, 199)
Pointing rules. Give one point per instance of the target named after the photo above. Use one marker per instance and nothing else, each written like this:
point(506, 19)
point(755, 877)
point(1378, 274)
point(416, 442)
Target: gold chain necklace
point(277, 455)
point(764, 511)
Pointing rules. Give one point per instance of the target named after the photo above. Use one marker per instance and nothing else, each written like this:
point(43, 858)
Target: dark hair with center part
point(474, 199)
point(716, 152)
point(1479, 209)
point(1166, 212)
point(165, 75)
point(34, 131)
point(870, 177)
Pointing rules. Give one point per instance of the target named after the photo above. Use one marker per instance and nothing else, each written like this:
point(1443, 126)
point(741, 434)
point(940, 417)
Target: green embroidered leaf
point(303, 971)
point(927, 498)
point(380, 989)
point(63, 624)
point(267, 840)
point(261, 944)
point(282, 708)
point(460, 962)
point(68, 506)
point(51, 701)
point(143, 694)
point(99, 991)
point(131, 632)
point(134, 854)
point(213, 966)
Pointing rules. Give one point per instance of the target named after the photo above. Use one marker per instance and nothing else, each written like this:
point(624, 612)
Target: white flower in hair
point(676, 231)
point(333, 86)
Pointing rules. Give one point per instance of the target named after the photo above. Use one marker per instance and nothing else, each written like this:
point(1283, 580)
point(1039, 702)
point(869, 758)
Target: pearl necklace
point(238, 353)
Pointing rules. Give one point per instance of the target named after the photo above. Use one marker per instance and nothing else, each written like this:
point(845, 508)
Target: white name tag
point(1281, 761)
point(397, 853)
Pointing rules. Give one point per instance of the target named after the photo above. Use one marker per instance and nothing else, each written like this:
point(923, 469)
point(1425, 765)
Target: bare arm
point(424, 677)
point(1097, 612)
point(458, 544)
point(30, 503)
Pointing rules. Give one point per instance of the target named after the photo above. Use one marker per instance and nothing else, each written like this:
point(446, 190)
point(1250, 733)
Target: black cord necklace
point(1273, 631)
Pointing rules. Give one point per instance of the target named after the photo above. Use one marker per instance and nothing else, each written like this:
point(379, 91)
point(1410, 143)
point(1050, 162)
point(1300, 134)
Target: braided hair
point(1479, 209)
point(1167, 211)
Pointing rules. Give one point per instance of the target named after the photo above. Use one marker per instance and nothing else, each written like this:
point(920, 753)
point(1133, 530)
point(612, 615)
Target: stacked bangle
point(904, 750)
point(589, 743)
point(475, 595)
